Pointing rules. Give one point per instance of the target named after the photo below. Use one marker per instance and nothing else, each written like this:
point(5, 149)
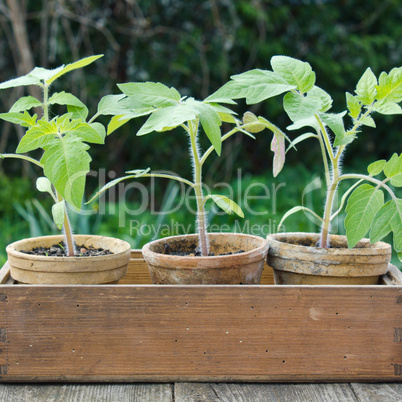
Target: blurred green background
point(195, 46)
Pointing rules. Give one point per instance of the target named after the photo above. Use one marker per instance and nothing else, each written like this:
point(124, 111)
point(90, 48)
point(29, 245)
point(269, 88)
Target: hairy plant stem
point(201, 218)
point(68, 234)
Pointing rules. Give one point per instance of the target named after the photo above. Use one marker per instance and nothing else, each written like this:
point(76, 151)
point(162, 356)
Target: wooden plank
point(211, 392)
point(203, 333)
point(137, 272)
point(84, 393)
point(378, 392)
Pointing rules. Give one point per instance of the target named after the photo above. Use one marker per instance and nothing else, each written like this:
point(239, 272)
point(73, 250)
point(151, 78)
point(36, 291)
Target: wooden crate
point(135, 331)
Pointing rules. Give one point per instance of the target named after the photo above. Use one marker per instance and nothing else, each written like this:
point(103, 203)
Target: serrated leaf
point(58, 212)
point(115, 123)
point(150, 94)
point(23, 119)
point(254, 125)
point(25, 103)
point(70, 67)
point(354, 106)
point(367, 121)
point(111, 105)
point(301, 107)
point(227, 204)
point(376, 168)
point(326, 100)
point(254, 85)
point(295, 72)
point(388, 219)
point(168, 117)
point(366, 87)
point(362, 206)
point(390, 86)
point(346, 138)
point(66, 164)
point(387, 107)
point(38, 136)
point(393, 170)
point(43, 185)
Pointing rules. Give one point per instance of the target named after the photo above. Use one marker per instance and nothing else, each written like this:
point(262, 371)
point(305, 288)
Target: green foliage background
point(195, 45)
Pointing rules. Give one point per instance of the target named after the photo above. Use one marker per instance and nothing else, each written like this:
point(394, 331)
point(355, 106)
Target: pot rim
point(11, 248)
point(146, 249)
point(373, 248)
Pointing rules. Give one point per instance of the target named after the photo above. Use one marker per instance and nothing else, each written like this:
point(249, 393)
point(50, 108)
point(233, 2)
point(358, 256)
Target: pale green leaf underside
point(58, 212)
point(393, 170)
point(254, 85)
point(151, 94)
point(226, 204)
point(168, 118)
point(362, 206)
point(376, 168)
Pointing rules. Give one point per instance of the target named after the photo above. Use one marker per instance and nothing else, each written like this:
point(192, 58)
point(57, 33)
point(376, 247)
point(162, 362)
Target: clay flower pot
point(51, 270)
point(241, 268)
point(296, 261)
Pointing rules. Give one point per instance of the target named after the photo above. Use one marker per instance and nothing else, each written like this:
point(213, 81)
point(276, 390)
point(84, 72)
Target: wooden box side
point(200, 333)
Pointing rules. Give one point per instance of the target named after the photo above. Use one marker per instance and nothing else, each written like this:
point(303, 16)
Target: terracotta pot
point(242, 268)
point(35, 269)
point(296, 261)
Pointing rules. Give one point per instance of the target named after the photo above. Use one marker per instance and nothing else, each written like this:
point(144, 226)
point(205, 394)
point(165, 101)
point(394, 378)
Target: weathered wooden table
point(189, 392)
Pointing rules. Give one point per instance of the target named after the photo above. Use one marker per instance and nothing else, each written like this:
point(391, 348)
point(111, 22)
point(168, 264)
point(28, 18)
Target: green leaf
point(367, 121)
point(393, 170)
point(93, 133)
point(210, 122)
point(297, 209)
point(226, 204)
point(354, 106)
point(361, 209)
point(168, 118)
point(388, 219)
point(65, 98)
point(149, 94)
point(301, 138)
point(387, 108)
point(366, 88)
point(115, 123)
point(224, 113)
point(66, 164)
point(43, 185)
point(20, 81)
point(78, 112)
point(278, 148)
point(70, 67)
point(295, 72)
point(310, 122)
point(301, 107)
point(326, 100)
point(23, 119)
point(376, 168)
point(390, 86)
point(38, 136)
point(335, 123)
point(254, 125)
point(25, 103)
point(254, 85)
point(111, 105)
point(58, 212)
